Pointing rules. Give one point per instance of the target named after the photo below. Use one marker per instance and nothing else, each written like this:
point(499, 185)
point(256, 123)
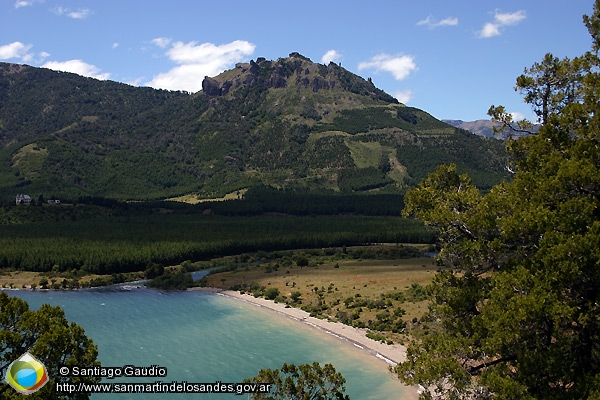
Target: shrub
point(271, 293)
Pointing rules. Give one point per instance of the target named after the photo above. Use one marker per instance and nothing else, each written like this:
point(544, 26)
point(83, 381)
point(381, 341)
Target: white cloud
point(15, 50)
point(79, 14)
point(26, 3)
point(450, 21)
point(77, 67)
point(431, 22)
point(190, 53)
point(162, 42)
point(27, 58)
point(115, 45)
point(399, 66)
point(135, 82)
point(426, 21)
point(331, 55)
point(491, 29)
point(517, 116)
point(510, 18)
point(197, 61)
point(403, 96)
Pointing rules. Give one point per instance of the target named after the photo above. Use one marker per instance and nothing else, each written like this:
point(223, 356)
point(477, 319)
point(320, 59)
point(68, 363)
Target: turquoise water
point(201, 337)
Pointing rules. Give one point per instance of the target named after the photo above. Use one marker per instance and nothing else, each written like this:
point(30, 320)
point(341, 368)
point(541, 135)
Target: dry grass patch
point(55, 280)
point(192, 198)
point(19, 279)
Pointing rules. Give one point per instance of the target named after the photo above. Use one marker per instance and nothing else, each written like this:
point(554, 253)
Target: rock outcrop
point(211, 86)
point(296, 70)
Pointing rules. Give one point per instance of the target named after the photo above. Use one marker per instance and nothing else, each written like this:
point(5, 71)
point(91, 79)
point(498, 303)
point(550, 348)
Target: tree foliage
point(551, 85)
point(48, 336)
point(172, 281)
point(518, 316)
point(548, 86)
point(302, 382)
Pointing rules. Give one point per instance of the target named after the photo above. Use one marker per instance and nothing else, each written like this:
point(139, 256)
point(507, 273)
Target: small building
point(22, 199)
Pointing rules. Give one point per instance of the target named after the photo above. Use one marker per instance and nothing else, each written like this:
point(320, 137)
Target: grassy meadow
point(385, 295)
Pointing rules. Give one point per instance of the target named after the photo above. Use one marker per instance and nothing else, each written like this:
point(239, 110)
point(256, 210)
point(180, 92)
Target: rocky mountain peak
point(294, 71)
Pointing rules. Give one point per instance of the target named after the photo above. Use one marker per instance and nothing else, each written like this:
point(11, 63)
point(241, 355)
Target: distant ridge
point(484, 128)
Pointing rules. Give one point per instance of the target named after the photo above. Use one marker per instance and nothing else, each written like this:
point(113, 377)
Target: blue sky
point(452, 59)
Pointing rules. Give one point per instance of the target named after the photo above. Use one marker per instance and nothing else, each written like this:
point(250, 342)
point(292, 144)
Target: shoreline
point(390, 354)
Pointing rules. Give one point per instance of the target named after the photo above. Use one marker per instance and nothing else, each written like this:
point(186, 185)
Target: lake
point(203, 337)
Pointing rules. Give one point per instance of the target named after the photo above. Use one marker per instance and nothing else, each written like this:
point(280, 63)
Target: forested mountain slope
point(287, 123)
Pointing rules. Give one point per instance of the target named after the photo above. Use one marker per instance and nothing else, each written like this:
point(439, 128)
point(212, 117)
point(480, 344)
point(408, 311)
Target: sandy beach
point(391, 354)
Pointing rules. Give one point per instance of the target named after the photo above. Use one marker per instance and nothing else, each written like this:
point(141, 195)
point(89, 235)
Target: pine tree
point(516, 315)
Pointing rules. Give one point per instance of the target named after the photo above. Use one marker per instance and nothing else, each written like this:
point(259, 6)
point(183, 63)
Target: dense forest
point(117, 237)
point(264, 199)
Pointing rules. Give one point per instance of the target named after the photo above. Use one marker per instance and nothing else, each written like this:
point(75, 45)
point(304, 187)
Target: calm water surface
point(202, 337)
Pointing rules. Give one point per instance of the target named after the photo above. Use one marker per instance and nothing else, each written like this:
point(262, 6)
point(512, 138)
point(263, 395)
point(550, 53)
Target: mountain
point(287, 123)
point(484, 127)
